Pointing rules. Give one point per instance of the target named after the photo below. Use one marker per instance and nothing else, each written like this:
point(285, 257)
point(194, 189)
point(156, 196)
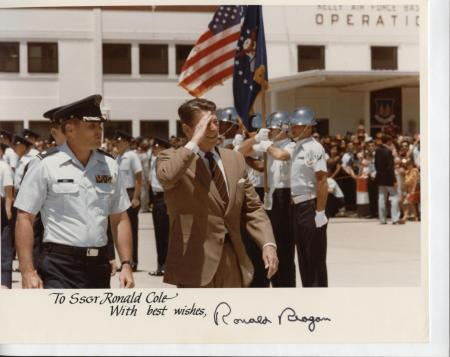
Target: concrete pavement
point(361, 253)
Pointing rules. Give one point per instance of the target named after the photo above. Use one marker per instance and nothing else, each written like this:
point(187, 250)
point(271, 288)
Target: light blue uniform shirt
point(20, 169)
point(11, 158)
point(129, 165)
point(279, 172)
point(74, 201)
point(308, 157)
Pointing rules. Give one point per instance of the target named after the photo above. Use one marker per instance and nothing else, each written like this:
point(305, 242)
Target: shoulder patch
point(105, 153)
point(47, 153)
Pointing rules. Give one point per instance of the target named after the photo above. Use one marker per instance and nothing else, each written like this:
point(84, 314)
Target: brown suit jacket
point(199, 219)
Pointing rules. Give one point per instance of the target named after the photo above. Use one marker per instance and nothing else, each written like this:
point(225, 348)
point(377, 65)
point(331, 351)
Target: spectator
point(385, 176)
point(412, 190)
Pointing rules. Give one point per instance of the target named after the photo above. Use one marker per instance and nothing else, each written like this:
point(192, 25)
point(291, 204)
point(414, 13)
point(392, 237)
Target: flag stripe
point(205, 60)
point(209, 66)
point(216, 79)
point(216, 37)
point(210, 49)
point(204, 37)
point(217, 69)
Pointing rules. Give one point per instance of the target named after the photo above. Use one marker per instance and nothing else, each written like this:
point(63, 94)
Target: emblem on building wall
point(384, 110)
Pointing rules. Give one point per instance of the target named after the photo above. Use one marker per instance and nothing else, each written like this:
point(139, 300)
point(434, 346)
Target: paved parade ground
point(361, 253)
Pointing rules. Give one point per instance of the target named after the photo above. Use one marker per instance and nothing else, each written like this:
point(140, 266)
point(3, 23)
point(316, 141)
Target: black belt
point(158, 194)
point(76, 251)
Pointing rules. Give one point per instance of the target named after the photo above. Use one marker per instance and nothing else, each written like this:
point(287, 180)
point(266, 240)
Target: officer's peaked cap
point(21, 140)
point(122, 136)
point(84, 109)
point(5, 134)
point(49, 114)
point(162, 142)
point(27, 133)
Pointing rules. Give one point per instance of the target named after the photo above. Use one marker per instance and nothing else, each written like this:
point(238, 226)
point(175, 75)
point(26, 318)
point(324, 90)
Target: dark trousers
point(7, 248)
point(161, 225)
point(133, 215)
point(311, 245)
point(348, 186)
point(67, 271)
point(280, 217)
point(254, 253)
point(334, 204)
point(373, 198)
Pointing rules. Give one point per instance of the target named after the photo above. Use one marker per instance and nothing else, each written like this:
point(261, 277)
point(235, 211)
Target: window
point(155, 128)
point(182, 53)
point(42, 57)
point(116, 58)
point(180, 132)
point(153, 59)
point(384, 57)
point(12, 125)
point(111, 126)
point(311, 57)
point(41, 127)
point(9, 56)
point(323, 127)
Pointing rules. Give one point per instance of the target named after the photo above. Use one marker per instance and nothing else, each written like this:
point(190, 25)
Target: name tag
point(64, 180)
point(103, 179)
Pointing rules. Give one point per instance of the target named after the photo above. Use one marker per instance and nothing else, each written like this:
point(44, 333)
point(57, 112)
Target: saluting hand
point(32, 280)
point(126, 277)
point(270, 258)
point(201, 128)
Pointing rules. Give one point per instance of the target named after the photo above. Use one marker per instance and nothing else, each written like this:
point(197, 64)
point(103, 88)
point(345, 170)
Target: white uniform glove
point(263, 134)
point(321, 219)
point(262, 146)
point(268, 200)
point(238, 139)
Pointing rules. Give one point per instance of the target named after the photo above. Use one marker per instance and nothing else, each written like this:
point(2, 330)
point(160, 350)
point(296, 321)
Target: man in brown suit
point(208, 197)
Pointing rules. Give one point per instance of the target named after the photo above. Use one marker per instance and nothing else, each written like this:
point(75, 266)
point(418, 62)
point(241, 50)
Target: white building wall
point(347, 57)
point(344, 110)
point(343, 30)
point(76, 69)
point(411, 110)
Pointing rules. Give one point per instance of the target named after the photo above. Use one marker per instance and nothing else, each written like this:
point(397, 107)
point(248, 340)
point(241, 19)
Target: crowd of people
point(363, 176)
point(353, 173)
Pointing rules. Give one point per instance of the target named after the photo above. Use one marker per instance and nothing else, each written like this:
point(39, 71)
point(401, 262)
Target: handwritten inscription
point(130, 305)
point(289, 315)
point(159, 304)
point(222, 316)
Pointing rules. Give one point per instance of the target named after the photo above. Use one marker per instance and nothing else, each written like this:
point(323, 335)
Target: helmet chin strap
point(226, 131)
point(297, 138)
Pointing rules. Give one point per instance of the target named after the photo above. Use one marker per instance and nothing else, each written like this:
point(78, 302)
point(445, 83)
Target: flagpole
point(264, 125)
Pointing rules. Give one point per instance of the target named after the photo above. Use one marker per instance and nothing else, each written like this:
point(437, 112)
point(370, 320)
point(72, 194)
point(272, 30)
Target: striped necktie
point(218, 178)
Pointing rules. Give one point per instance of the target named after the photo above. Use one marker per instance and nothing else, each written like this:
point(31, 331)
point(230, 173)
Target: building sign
point(368, 15)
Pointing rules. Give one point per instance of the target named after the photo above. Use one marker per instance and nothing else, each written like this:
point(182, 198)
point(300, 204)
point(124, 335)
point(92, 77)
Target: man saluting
point(208, 197)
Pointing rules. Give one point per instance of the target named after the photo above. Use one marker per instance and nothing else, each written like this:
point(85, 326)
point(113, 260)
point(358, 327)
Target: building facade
point(351, 64)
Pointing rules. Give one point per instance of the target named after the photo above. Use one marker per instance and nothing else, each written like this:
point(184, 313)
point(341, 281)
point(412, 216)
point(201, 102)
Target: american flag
point(211, 61)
